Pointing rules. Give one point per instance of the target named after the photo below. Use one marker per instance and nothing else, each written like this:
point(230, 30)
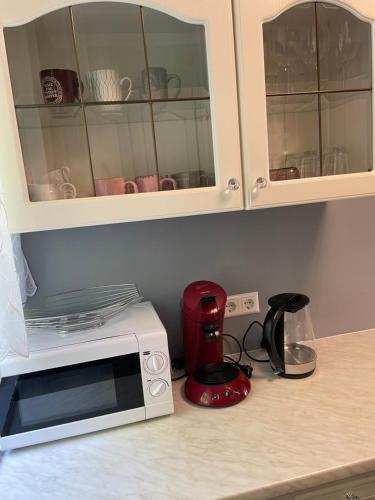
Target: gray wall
point(325, 250)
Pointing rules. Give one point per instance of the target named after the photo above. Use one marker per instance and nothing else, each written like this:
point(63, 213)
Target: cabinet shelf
point(109, 103)
point(316, 92)
point(109, 114)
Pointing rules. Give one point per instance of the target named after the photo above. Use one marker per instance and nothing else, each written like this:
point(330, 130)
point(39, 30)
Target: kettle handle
point(269, 327)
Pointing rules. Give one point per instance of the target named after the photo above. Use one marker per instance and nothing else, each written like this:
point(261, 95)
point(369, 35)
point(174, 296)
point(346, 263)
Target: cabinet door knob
point(234, 184)
point(261, 182)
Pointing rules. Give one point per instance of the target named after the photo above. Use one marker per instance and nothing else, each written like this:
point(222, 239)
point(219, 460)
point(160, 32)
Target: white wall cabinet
point(305, 75)
point(113, 112)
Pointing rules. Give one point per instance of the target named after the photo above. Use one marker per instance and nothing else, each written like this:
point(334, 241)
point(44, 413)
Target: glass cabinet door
point(184, 143)
point(111, 99)
point(290, 51)
point(122, 147)
point(55, 152)
point(34, 51)
point(110, 50)
point(319, 92)
point(176, 53)
point(178, 81)
point(46, 92)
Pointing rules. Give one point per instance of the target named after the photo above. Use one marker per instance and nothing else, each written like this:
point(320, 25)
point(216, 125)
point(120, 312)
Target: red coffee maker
point(211, 381)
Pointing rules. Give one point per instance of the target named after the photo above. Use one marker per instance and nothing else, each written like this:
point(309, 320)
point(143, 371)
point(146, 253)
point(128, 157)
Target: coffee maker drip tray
point(216, 374)
point(217, 384)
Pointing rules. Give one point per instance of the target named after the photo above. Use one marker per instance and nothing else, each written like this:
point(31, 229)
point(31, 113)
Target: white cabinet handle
point(233, 184)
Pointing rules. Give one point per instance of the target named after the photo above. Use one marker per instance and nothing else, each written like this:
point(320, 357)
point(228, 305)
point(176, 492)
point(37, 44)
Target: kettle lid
point(198, 290)
point(290, 302)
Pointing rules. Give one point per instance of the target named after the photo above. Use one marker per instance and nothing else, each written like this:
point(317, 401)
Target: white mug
point(48, 192)
point(57, 176)
point(68, 190)
point(43, 192)
point(106, 85)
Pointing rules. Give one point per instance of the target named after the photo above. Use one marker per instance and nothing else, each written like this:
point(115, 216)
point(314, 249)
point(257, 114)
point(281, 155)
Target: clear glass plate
point(80, 309)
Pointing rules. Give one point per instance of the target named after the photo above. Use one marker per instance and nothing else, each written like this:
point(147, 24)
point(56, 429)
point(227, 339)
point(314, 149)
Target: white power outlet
point(250, 303)
point(244, 303)
point(233, 307)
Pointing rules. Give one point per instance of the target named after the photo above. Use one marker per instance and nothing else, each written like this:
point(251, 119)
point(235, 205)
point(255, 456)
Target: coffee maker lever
point(211, 332)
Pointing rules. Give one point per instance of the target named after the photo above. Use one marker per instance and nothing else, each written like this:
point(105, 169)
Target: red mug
point(114, 185)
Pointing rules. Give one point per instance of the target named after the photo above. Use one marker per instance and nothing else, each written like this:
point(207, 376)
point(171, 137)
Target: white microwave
point(86, 381)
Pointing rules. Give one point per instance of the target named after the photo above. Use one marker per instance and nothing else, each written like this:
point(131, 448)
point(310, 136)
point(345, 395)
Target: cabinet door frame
point(24, 216)
point(249, 18)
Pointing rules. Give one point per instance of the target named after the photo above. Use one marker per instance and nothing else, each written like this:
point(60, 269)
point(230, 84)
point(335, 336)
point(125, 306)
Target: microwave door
point(70, 400)
point(7, 394)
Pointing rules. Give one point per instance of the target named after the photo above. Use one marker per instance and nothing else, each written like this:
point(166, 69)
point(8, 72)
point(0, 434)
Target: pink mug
point(114, 185)
point(148, 183)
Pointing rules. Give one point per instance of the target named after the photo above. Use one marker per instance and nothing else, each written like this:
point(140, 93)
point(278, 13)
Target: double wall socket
point(244, 303)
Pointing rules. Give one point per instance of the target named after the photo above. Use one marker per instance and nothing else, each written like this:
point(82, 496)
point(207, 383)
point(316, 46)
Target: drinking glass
point(309, 166)
point(336, 161)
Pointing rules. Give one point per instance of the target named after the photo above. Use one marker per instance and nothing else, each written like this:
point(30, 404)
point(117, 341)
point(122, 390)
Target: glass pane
point(110, 51)
point(45, 44)
point(184, 143)
point(122, 148)
point(290, 51)
point(347, 132)
point(55, 153)
point(176, 56)
point(293, 137)
point(344, 49)
point(71, 393)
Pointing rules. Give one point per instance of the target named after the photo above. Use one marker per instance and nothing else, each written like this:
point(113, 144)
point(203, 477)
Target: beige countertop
point(287, 435)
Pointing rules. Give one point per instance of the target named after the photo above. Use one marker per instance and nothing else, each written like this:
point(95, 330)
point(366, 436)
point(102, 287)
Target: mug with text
point(59, 86)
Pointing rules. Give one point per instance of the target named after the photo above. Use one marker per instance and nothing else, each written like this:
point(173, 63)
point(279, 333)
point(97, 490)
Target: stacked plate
point(80, 309)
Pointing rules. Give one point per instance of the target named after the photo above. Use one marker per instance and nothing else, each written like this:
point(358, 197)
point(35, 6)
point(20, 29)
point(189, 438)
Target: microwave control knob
point(157, 387)
point(155, 363)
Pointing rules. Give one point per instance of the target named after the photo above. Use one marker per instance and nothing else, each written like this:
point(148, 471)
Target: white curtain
point(12, 325)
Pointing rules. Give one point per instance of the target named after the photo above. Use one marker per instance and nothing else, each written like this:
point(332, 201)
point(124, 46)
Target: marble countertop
point(287, 435)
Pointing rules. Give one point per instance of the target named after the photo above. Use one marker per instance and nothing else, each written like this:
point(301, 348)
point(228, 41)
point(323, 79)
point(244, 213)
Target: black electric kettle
point(288, 335)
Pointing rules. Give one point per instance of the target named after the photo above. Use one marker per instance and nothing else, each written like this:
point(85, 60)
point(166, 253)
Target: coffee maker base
point(217, 385)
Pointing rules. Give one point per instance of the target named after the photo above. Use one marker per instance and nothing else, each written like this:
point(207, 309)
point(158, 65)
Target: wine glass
point(347, 46)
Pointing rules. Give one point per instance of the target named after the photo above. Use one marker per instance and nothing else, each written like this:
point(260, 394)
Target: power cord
point(178, 364)
point(246, 369)
point(239, 348)
point(244, 340)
